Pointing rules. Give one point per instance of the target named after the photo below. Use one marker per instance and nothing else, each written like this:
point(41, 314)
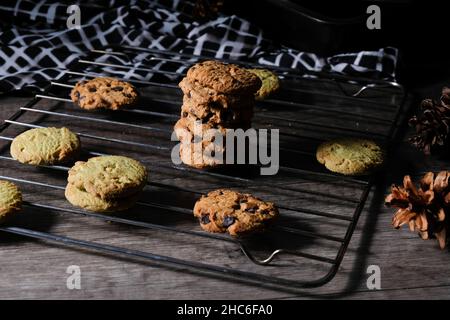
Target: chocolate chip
point(127, 95)
point(236, 206)
point(213, 153)
point(92, 89)
point(77, 94)
point(227, 116)
point(227, 221)
point(265, 211)
point(208, 116)
point(205, 219)
point(213, 138)
point(184, 114)
point(251, 210)
point(118, 88)
point(243, 200)
point(216, 105)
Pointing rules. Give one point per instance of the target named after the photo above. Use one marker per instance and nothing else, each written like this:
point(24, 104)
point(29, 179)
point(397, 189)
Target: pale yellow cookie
point(350, 156)
point(45, 146)
point(109, 177)
point(87, 201)
point(270, 83)
point(10, 200)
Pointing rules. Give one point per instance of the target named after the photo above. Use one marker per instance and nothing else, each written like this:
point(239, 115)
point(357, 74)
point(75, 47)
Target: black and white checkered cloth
point(37, 46)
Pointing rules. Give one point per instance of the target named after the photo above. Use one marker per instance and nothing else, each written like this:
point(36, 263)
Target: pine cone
point(425, 209)
point(433, 125)
point(207, 8)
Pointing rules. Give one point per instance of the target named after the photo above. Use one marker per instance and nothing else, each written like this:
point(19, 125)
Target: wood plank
point(31, 269)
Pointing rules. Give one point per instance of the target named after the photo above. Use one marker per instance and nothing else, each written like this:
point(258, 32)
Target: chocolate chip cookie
point(10, 200)
point(104, 93)
point(223, 78)
point(350, 156)
point(229, 211)
point(216, 116)
point(201, 145)
point(207, 97)
point(45, 146)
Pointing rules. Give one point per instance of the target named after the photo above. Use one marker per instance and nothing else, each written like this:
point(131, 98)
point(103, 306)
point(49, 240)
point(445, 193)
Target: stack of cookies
point(106, 183)
point(217, 96)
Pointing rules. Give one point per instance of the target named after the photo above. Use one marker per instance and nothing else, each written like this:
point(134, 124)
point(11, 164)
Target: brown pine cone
point(433, 125)
point(424, 209)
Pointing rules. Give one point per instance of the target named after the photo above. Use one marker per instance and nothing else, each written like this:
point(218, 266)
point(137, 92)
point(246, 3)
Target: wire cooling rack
point(319, 209)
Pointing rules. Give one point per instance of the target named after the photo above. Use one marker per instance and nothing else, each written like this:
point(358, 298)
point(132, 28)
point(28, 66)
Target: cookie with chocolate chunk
point(104, 93)
point(204, 96)
point(202, 145)
point(237, 213)
point(229, 118)
point(223, 78)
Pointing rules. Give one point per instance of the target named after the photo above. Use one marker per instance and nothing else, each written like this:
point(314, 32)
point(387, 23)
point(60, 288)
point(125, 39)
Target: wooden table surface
point(410, 267)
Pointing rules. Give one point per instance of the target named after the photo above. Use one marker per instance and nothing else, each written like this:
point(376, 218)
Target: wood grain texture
point(37, 270)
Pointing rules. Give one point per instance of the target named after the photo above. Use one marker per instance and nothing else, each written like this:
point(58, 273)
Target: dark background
point(420, 29)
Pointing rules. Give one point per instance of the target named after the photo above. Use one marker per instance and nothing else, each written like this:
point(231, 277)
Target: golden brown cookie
point(223, 78)
point(108, 177)
point(270, 83)
point(194, 93)
point(10, 200)
point(45, 146)
point(87, 201)
point(104, 93)
point(350, 156)
point(229, 211)
point(201, 145)
point(190, 129)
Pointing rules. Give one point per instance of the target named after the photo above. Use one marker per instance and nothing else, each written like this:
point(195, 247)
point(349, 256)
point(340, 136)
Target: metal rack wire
point(148, 129)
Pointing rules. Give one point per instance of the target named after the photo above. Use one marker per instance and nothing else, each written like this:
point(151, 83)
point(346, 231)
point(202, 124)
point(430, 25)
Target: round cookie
point(45, 146)
point(224, 78)
point(10, 200)
point(104, 93)
point(202, 96)
point(350, 156)
point(229, 211)
point(85, 200)
point(189, 129)
point(200, 149)
point(216, 116)
point(108, 177)
point(270, 83)
point(202, 155)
